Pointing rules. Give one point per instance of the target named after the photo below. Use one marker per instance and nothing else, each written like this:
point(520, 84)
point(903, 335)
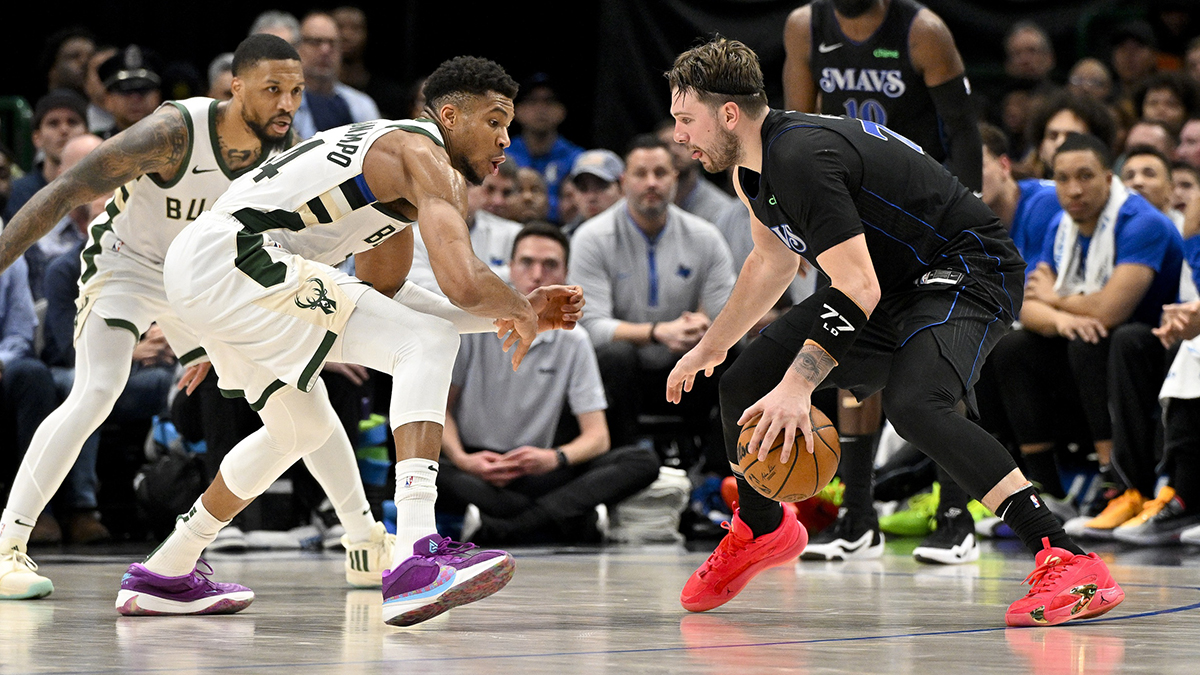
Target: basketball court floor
point(616, 610)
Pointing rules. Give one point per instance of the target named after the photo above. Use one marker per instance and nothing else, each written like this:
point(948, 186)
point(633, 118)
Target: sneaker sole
point(840, 555)
point(942, 556)
point(135, 603)
point(38, 589)
point(364, 579)
point(1109, 599)
point(478, 586)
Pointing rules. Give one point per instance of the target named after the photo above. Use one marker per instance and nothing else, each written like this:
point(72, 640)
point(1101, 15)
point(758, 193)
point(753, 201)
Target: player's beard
point(727, 152)
point(269, 142)
point(463, 166)
point(853, 8)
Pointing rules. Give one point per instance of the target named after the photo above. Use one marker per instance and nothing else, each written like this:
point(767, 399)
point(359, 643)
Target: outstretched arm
point(156, 144)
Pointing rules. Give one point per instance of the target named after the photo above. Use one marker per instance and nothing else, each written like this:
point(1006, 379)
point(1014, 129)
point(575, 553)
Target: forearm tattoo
point(813, 364)
point(157, 144)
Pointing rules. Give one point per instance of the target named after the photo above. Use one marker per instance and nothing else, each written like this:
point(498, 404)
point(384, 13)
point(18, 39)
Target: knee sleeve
point(294, 424)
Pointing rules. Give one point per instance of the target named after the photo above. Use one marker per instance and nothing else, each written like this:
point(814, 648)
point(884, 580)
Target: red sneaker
point(738, 558)
point(1065, 587)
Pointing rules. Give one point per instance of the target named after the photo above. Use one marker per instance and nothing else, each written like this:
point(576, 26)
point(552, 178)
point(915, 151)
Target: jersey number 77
point(879, 131)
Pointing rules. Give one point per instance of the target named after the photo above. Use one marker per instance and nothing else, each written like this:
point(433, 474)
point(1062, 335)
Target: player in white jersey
point(162, 172)
point(254, 277)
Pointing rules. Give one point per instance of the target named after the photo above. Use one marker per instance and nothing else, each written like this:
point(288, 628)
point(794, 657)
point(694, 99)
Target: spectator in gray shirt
point(653, 274)
point(500, 461)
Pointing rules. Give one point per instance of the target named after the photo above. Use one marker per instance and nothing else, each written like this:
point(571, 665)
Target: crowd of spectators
point(1096, 172)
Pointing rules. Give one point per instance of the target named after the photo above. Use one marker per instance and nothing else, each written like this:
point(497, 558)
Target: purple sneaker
point(144, 593)
point(441, 574)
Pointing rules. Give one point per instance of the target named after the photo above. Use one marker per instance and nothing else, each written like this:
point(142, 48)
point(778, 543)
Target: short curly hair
point(463, 76)
point(1098, 119)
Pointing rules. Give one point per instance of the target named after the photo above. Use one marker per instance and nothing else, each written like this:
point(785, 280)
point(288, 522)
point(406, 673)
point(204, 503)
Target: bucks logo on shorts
point(314, 296)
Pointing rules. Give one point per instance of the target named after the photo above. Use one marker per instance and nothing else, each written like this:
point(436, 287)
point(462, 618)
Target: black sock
point(857, 470)
point(760, 514)
point(1030, 518)
point(951, 496)
point(1041, 468)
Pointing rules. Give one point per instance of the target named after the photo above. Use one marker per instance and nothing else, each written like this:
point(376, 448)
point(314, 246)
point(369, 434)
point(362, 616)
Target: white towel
point(1074, 274)
point(1187, 285)
point(1183, 380)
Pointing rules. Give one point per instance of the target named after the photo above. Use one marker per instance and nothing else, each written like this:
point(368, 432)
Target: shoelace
point(449, 546)
point(22, 559)
point(729, 546)
point(203, 575)
point(1043, 575)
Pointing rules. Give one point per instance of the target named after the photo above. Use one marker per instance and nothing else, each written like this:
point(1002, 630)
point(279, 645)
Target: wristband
point(839, 321)
point(654, 340)
point(562, 458)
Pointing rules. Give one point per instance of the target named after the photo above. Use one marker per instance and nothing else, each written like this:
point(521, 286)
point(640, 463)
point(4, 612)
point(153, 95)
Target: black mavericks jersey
point(874, 80)
point(826, 179)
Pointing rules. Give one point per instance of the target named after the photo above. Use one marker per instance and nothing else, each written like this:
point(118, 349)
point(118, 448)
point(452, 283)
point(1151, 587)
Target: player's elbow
point(864, 291)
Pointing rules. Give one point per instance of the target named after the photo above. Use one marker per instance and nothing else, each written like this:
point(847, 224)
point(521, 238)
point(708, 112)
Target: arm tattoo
point(158, 143)
point(813, 364)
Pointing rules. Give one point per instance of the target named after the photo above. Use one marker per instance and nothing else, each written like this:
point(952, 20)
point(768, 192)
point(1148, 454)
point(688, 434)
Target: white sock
point(14, 525)
point(358, 523)
point(178, 553)
point(416, 492)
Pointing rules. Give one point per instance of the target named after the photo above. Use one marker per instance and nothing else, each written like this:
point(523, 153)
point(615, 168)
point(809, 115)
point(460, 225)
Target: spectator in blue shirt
point(1026, 207)
point(539, 112)
point(1109, 258)
point(25, 382)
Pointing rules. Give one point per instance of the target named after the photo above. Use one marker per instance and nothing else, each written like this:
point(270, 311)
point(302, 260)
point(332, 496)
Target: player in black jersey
point(922, 280)
point(892, 62)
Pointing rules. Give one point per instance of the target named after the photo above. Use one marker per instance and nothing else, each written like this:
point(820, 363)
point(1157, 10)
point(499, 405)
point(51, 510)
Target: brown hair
point(720, 71)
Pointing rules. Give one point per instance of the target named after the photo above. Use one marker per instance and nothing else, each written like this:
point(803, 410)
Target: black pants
point(634, 387)
point(1137, 364)
point(925, 377)
point(29, 395)
point(1048, 381)
point(1182, 449)
point(550, 506)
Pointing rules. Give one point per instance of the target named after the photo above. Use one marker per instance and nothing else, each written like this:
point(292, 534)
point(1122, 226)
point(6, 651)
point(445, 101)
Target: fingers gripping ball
point(804, 475)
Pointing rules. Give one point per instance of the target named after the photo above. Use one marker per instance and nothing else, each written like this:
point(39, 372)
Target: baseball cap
point(59, 99)
point(1138, 31)
point(535, 82)
point(131, 69)
point(604, 164)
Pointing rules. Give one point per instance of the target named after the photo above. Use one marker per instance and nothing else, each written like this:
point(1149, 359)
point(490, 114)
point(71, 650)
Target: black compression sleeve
point(953, 103)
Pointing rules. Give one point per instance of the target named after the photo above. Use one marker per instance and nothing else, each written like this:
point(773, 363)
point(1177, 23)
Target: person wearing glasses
point(327, 102)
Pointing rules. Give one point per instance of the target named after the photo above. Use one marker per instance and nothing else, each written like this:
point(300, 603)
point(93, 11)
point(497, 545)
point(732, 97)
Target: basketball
point(804, 474)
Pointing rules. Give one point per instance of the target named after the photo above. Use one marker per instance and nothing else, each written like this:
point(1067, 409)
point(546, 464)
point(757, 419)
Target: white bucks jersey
point(313, 201)
point(146, 214)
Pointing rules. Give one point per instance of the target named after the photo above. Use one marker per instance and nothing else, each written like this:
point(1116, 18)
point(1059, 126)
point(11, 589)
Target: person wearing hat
point(653, 274)
point(58, 117)
point(596, 179)
point(131, 83)
point(1134, 55)
point(539, 112)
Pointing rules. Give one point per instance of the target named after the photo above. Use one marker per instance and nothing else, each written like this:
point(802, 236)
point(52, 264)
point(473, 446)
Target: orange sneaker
point(1065, 587)
point(1119, 510)
point(738, 558)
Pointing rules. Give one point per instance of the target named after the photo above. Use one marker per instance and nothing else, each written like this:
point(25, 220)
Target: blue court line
point(649, 650)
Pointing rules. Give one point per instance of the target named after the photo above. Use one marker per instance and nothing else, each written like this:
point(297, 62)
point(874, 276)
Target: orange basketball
point(804, 475)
